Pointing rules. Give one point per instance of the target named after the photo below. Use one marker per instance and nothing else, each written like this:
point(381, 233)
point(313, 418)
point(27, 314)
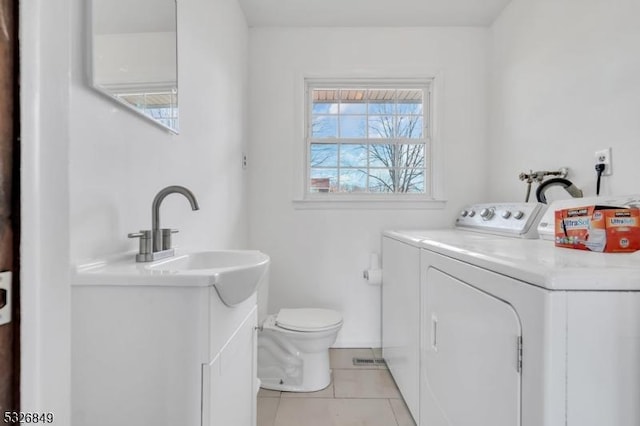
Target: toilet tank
point(263, 297)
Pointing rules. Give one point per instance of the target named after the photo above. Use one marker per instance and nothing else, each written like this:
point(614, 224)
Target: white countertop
point(123, 269)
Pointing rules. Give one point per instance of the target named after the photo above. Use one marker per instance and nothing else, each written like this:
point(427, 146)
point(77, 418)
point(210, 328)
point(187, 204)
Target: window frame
point(431, 198)
point(165, 114)
point(122, 93)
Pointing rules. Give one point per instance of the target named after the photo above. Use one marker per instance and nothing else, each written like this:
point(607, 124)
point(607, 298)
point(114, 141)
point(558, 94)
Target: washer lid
point(308, 319)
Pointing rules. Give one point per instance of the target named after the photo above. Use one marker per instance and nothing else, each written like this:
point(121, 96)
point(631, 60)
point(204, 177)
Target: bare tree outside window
point(368, 140)
point(404, 162)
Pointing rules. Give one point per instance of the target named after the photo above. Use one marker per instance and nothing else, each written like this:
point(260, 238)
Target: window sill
point(368, 204)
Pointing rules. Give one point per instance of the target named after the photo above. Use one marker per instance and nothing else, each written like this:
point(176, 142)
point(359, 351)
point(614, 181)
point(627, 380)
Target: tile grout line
point(332, 395)
point(395, 416)
point(275, 418)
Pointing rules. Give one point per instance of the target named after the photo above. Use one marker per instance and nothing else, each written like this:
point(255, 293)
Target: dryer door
point(470, 355)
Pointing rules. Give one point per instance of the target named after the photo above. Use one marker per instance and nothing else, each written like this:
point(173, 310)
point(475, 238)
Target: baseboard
point(351, 344)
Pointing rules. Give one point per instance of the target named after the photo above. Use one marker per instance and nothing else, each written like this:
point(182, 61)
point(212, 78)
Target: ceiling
point(371, 13)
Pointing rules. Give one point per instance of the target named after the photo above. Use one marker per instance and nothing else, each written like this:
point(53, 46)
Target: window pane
point(410, 126)
point(411, 180)
point(353, 108)
point(323, 180)
point(381, 126)
point(382, 155)
point(352, 155)
point(353, 180)
point(324, 155)
point(353, 126)
point(382, 101)
point(409, 101)
point(325, 108)
point(386, 163)
point(382, 107)
point(324, 126)
point(410, 108)
point(353, 101)
point(410, 156)
point(380, 180)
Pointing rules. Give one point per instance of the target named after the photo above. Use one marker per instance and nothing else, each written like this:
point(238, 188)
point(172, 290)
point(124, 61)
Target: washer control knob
point(464, 213)
point(519, 214)
point(472, 213)
point(487, 214)
point(506, 214)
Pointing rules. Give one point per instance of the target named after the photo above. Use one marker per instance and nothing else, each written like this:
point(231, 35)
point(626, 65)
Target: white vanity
point(161, 343)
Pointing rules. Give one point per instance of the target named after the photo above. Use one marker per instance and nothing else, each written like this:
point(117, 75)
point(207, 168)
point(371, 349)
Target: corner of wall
point(45, 298)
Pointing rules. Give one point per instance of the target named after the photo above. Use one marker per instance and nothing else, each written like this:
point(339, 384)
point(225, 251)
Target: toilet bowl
point(293, 349)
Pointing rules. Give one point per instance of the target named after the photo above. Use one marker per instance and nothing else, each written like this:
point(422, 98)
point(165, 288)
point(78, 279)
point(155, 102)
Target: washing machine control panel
point(512, 219)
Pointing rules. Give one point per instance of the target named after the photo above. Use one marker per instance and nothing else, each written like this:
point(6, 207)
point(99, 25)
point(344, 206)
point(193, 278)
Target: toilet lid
point(308, 319)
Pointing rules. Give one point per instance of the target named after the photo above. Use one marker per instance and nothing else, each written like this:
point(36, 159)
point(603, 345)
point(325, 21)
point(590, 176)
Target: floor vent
point(368, 361)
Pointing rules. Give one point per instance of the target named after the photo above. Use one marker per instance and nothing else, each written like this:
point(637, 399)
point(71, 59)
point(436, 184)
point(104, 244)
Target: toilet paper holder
point(373, 274)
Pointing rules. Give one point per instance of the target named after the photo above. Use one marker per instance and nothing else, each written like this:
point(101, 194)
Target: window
point(368, 139)
point(159, 104)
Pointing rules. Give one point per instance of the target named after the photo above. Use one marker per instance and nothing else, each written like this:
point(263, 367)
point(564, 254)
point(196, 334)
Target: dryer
point(514, 331)
point(401, 289)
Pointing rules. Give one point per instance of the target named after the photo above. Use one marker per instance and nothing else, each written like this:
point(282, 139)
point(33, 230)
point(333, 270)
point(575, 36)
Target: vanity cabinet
point(229, 387)
point(161, 355)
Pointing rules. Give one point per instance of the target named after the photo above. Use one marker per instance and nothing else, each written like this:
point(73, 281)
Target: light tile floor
point(358, 395)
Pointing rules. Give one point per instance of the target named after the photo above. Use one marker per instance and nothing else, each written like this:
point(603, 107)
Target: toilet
point(293, 346)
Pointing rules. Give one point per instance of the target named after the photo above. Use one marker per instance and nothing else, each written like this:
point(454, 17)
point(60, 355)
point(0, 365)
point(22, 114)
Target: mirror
point(134, 56)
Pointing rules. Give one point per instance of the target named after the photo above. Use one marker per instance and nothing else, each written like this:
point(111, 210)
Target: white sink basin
point(235, 274)
point(210, 260)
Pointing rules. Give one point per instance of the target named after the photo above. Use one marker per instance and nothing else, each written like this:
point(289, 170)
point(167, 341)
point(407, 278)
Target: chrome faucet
point(156, 243)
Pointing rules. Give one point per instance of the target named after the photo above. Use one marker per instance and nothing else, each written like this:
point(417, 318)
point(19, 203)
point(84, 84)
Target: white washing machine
point(511, 331)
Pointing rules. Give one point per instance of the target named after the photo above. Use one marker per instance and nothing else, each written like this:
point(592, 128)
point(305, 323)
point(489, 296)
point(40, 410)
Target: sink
point(235, 274)
point(210, 260)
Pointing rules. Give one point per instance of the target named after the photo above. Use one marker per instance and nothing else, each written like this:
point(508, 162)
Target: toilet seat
point(308, 319)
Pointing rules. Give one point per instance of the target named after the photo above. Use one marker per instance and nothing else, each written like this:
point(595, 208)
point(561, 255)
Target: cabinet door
point(470, 370)
point(229, 381)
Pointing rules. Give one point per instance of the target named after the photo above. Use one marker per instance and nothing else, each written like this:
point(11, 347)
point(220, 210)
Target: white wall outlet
point(603, 156)
point(244, 161)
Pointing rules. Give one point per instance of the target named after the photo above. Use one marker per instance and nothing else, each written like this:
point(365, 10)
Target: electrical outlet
point(244, 161)
point(603, 156)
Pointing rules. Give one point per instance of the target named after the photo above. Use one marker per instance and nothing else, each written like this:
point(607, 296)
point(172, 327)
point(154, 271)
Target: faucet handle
point(145, 241)
point(137, 234)
point(166, 237)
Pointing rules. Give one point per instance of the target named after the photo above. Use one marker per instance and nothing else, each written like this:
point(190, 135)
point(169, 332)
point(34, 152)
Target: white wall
point(119, 161)
point(90, 168)
point(318, 255)
point(564, 84)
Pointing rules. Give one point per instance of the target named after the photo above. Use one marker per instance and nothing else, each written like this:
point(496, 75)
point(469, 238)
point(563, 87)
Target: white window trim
point(302, 199)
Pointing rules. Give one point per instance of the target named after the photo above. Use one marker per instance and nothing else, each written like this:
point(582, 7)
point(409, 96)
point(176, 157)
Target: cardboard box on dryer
point(605, 229)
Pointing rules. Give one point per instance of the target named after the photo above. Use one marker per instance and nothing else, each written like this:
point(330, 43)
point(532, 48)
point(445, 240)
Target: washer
point(480, 328)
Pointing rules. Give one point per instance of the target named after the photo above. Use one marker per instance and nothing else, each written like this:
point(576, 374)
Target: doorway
point(9, 204)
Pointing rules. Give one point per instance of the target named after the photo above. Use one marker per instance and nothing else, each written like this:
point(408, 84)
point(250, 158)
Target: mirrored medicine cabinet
point(134, 56)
